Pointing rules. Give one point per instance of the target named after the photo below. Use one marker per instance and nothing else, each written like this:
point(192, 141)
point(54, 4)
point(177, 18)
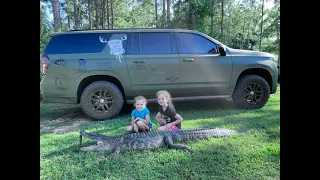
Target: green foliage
point(45, 29)
point(141, 16)
point(271, 40)
point(255, 155)
point(241, 19)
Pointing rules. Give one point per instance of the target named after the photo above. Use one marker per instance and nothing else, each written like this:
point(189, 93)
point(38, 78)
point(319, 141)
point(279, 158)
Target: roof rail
point(118, 29)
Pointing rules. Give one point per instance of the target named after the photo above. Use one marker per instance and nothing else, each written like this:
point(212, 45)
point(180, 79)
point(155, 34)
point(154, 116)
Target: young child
point(167, 116)
point(140, 120)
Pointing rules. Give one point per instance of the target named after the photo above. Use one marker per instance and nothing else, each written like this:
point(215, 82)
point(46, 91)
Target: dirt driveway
point(61, 119)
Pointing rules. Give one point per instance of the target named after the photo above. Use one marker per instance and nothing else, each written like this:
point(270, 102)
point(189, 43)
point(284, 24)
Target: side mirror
point(221, 50)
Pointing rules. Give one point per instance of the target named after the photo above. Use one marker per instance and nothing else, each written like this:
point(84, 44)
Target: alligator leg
point(168, 141)
point(80, 143)
point(114, 153)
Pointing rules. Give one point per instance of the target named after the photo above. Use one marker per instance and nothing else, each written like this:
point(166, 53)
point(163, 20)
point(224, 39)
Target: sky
point(268, 4)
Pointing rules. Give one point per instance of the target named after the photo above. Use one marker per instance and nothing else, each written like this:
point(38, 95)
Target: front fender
point(264, 67)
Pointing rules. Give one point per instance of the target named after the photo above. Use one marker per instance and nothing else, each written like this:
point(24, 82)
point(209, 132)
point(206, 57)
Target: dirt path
point(67, 122)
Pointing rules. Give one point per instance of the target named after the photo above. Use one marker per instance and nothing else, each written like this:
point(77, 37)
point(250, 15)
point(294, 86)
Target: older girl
point(167, 116)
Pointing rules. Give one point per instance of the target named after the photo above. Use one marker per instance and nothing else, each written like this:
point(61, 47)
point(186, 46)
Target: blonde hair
point(167, 95)
point(139, 98)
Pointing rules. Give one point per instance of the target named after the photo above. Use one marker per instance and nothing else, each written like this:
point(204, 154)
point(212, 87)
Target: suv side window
point(75, 43)
point(82, 43)
point(195, 44)
point(155, 43)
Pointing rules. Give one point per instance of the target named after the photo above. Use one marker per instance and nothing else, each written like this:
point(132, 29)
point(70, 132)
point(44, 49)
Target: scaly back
point(180, 135)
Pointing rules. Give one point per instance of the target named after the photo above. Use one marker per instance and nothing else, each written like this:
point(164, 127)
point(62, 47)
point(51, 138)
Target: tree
point(45, 29)
point(55, 4)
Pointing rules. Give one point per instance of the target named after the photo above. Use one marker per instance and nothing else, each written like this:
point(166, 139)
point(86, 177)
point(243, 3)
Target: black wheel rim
point(101, 101)
point(253, 93)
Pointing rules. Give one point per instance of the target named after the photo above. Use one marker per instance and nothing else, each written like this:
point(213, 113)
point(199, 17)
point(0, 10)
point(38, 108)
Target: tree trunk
point(178, 9)
point(164, 12)
point(261, 25)
point(107, 15)
point(89, 12)
point(103, 14)
point(40, 21)
point(97, 14)
point(222, 13)
point(69, 22)
point(193, 17)
point(156, 8)
point(212, 14)
point(279, 57)
point(76, 14)
point(56, 15)
point(168, 10)
point(111, 4)
point(278, 37)
point(243, 30)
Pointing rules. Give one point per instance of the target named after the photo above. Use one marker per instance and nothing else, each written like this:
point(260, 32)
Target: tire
point(92, 101)
point(251, 92)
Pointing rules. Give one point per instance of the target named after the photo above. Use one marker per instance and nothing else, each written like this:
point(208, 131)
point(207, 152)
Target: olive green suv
point(103, 69)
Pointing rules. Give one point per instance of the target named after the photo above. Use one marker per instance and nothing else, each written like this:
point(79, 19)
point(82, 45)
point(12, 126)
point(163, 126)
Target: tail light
point(44, 64)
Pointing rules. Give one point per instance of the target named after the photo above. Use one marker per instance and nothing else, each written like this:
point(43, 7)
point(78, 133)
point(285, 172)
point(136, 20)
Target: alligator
point(151, 140)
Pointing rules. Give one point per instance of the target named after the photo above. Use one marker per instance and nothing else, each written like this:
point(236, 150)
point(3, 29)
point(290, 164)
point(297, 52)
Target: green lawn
point(255, 155)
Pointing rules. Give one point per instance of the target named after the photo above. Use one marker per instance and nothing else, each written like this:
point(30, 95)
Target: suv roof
point(123, 29)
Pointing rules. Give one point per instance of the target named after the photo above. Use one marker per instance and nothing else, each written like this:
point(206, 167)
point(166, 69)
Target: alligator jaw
point(96, 147)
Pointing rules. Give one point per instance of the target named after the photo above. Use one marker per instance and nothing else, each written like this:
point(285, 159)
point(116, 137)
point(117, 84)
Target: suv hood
point(241, 52)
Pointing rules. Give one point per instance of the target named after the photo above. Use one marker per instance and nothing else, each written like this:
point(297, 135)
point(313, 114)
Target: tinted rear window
point(79, 43)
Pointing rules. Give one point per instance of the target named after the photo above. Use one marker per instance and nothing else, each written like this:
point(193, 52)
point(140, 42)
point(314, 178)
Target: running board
point(191, 98)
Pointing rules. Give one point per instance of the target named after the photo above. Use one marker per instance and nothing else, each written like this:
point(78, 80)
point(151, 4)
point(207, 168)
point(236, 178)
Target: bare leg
point(163, 128)
point(142, 126)
point(135, 127)
point(146, 127)
point(129, 128)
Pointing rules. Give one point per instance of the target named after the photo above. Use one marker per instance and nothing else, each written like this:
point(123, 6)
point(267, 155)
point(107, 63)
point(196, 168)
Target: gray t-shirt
point(169, 114)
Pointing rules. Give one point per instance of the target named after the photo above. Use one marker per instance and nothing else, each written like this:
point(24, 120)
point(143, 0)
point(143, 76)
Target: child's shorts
point(174, 128)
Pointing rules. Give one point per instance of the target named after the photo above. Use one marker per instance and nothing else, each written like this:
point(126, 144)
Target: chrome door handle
point(141, 61)
point(187, 60)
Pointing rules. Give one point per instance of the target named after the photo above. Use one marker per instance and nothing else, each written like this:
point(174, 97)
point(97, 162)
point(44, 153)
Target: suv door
point(153, 63)
point(203, 70)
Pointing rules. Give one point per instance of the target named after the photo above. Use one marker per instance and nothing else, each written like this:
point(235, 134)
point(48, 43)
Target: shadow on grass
point(204, 113)
point(189, 105)
point(48, 112)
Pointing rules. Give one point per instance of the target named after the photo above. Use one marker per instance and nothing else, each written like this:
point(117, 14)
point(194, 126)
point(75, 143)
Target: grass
point(255, 155)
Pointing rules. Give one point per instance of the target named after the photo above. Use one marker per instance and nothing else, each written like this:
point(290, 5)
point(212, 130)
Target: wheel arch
point(264, 73)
